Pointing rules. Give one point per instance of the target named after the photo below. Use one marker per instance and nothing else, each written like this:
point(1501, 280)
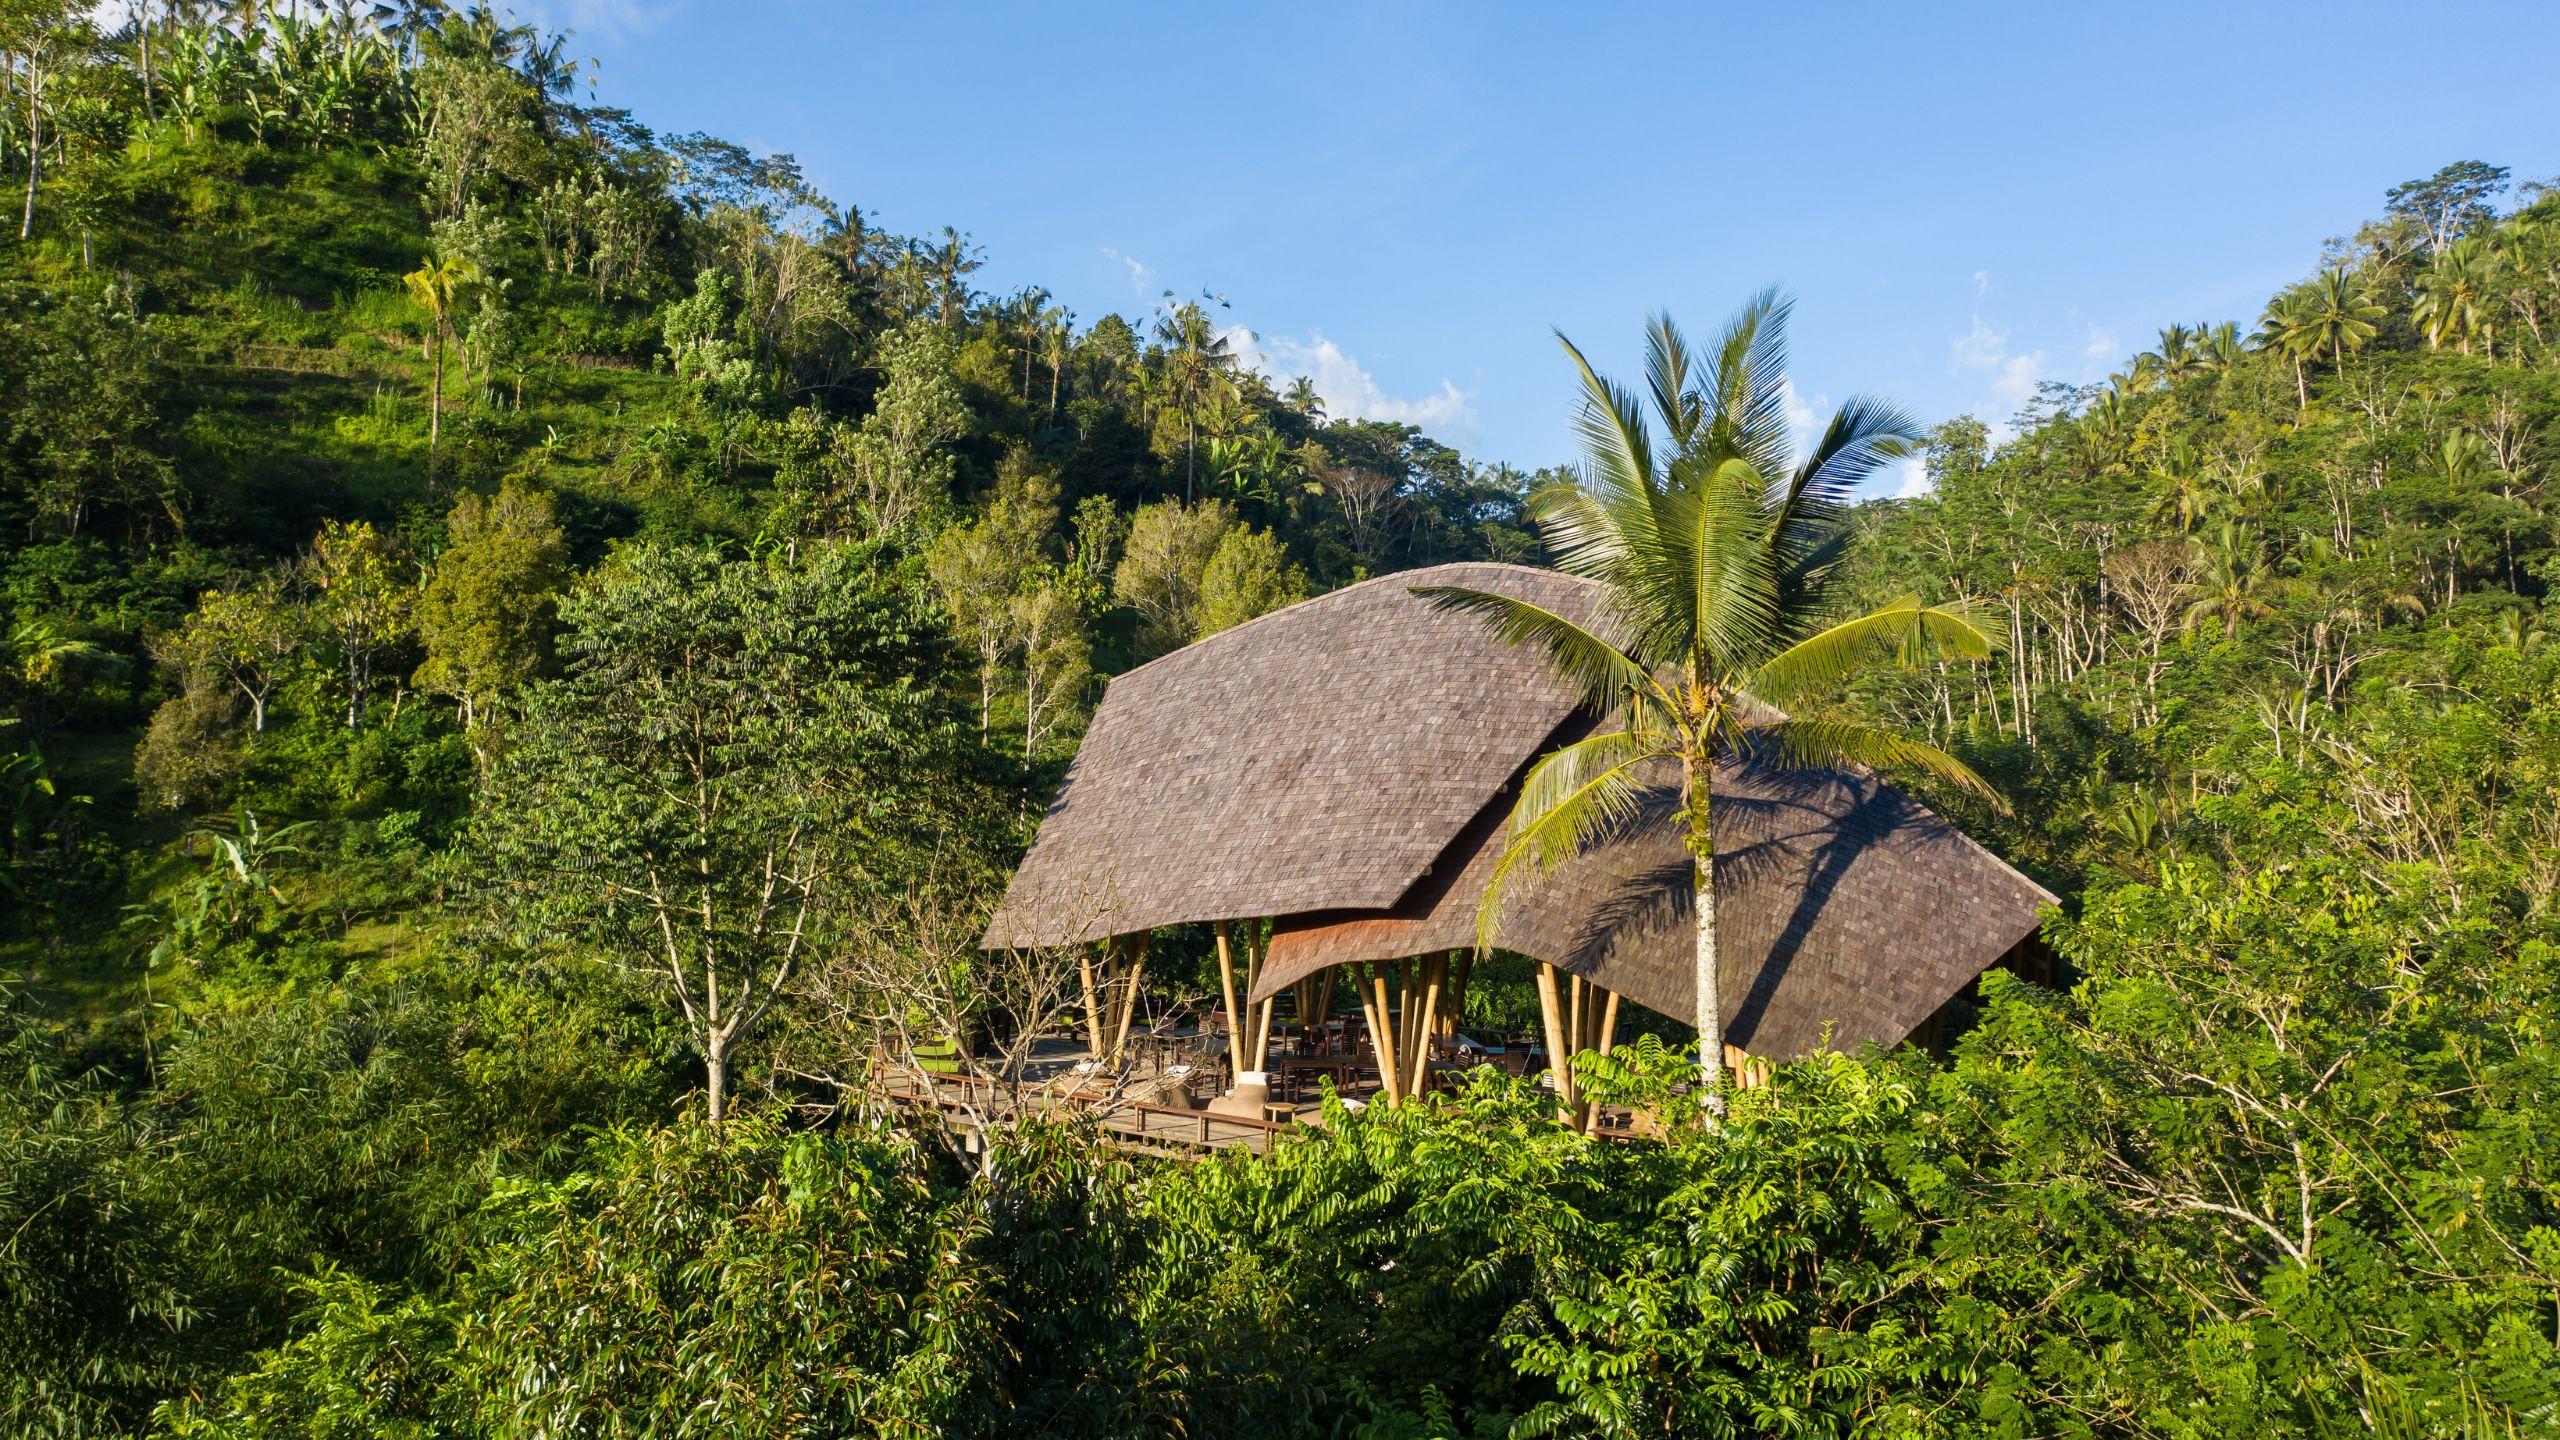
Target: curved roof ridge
point(1341, 590)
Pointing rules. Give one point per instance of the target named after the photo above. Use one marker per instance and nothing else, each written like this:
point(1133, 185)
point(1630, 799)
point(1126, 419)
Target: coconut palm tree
point(2236, 584)
point(1198, 365)
point(1720, 553)
point(439, 286)
point(2454, 298)
point(2337, 315)
point(2286, 330)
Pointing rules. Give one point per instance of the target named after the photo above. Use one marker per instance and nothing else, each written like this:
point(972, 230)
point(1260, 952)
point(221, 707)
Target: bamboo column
point(1551, 1010)
point(1434, 971)
point(1390, 1068)
point(1129, 1001)
point(1404, 1006)
point(1235, 1018)
point(1092, 1002)
point(1372, 994)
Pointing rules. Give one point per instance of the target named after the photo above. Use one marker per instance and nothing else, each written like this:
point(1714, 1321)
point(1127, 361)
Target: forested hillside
point(517, 622)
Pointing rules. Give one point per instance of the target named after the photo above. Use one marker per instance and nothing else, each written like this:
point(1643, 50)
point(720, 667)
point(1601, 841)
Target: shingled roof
point(1347, 765)
point(1843, 907)
point(1320, 757)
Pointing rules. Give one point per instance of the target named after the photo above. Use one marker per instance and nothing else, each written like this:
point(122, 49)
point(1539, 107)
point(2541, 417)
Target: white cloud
point(1349, 392)
point(2011, 379)
point(1981, 283)
point(2102, 348)
point(1139, 274)
point(1909, 478)
point(1802, 419)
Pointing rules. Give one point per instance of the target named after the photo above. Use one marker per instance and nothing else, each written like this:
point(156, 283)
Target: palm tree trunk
point(1699, 775)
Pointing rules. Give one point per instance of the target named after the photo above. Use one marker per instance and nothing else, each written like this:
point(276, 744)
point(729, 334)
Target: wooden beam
point(1235, 1018)
point(1609, 1025)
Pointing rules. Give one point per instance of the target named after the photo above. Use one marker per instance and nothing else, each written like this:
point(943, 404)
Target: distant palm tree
point(1720, 554)
point(1057, 346)
point(2106, 433)
point(2220, 347)
point(1197, 363)
point(2183, 495)
point(2337, 315)
point(2236, 583)
point(2285, 329)
point(440, 287)
point(2454, 296)
point(2177, 358)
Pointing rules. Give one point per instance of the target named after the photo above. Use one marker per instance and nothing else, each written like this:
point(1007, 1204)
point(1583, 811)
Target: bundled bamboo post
point(1129, 1001)
point(1092, 1002)
point(1404, 1005)
point(1372, 1005)
point(1551, 1010)
point(1576, 1023)
point(1428, 1027)
point(1389, 1066)
point(1235, 1018)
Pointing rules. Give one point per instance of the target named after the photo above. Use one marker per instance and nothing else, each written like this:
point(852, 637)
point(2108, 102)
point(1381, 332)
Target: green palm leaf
point(1599, 672)
point(1826, 657)
point(1806, 744)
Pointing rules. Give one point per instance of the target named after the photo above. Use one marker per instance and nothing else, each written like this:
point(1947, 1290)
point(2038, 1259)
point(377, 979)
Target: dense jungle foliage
point(438, 512)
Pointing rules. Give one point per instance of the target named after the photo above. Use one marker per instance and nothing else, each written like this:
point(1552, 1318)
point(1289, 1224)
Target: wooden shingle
point(1318, 757)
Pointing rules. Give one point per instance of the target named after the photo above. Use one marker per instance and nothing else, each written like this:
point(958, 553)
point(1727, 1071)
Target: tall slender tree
point(440, 287)
point(1720, 552)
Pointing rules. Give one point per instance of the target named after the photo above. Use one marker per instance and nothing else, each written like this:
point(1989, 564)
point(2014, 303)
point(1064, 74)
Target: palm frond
point(1563, 773)
point(1599, 671)
point(1593, 790)
point(1666, 368)
point(1829, 655)
point(1809, 512)
point(1616, 446)
point(1735, 610)
point(1746, 392)
point(1804, 744)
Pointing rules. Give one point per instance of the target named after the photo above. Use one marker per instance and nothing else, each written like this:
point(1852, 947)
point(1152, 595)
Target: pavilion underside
point(1328, 787)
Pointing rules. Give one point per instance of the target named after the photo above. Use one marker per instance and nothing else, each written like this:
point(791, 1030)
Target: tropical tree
point(2454, 297)
point(1197, 367)
point(2337, 315)
point(440, 287)
point(1720, 552)
point(2236, 583)
point(2285, 330)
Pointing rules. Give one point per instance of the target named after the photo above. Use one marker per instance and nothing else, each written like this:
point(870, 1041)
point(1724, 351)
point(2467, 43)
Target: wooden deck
point(969, 1104)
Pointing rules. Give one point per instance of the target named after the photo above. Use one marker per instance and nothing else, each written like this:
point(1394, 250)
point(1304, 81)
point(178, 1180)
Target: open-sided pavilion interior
point(1327, 787)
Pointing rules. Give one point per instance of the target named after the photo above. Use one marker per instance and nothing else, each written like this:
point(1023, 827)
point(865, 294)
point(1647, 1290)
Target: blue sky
point(1403, 199)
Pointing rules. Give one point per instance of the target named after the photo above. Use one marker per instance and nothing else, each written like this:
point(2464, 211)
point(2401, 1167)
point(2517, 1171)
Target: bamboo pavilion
point(1330, 782)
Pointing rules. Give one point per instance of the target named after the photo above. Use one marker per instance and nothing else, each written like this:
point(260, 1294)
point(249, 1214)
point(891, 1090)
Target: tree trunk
point(1699, 774)
point(715, 1066)
point(435, 400)
point(35, 142)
